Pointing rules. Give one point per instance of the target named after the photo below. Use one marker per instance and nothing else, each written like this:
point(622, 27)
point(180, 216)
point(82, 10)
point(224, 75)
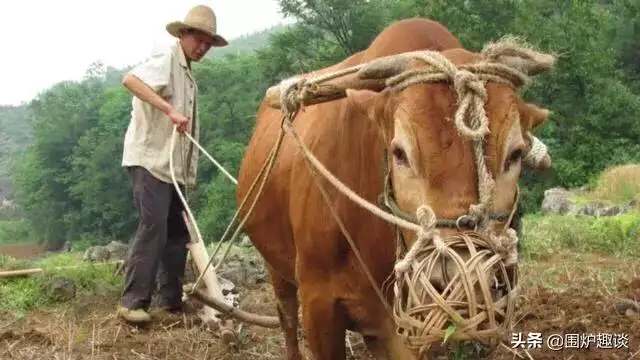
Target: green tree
point(61, 115)
point(351, 25)
point(102, 186)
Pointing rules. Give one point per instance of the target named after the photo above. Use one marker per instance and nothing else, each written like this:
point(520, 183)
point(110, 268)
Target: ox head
point(457, 136)
point(431, 157)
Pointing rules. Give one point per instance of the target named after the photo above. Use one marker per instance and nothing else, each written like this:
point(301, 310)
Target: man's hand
point(181, 121)
point(145, 93)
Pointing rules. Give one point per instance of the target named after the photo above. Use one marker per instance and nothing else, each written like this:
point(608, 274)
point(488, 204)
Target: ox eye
point(399, 155)
point(514, 158)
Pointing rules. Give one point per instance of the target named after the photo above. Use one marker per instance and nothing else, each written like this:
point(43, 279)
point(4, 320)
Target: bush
point(14, 231)
point(551, 234)
point(619, 184)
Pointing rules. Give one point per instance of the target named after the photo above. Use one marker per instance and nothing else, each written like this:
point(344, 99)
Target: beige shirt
point(148, 138)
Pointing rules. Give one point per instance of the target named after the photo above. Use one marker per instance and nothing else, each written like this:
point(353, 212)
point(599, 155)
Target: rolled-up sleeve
point(155, 71)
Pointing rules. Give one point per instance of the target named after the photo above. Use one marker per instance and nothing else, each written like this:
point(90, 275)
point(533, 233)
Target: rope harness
point(421, 311)
point(466, 299)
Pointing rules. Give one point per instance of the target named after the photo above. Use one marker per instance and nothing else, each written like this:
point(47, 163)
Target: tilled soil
point(578, 301)
point(25, 251)
point(578, 324)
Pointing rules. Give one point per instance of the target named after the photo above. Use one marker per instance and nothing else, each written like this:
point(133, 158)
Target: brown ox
point(292, 227)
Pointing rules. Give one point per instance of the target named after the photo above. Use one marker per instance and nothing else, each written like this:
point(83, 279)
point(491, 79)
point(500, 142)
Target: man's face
point(195, 44)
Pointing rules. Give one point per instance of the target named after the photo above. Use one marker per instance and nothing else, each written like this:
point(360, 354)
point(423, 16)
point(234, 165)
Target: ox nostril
point(467, 222)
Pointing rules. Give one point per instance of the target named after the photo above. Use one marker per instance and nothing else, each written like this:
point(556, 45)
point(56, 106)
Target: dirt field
point(26, 251)
point(567, 294)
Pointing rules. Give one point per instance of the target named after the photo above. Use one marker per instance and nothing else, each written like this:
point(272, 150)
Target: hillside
point(246, 43)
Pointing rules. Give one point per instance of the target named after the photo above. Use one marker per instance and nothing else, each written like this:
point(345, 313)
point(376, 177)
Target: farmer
point(164, 97)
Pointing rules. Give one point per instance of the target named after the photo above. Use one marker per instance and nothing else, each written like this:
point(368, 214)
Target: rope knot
point(428, 231)
point(468, 83)
point(471, 118)
point(427, 220)
point(426, 217)
point(293, 93)
point(478, 212)
point(505, 244)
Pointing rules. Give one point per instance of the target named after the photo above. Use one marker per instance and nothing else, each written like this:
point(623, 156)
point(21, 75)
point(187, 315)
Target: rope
point(267, 166)
point(295, 91)
point(421, 324)
point(472, 96)
point(537, 152)
point(312, 162)
point(289, 97)
point(345, 190)
point(418, 323)
point(220, 167)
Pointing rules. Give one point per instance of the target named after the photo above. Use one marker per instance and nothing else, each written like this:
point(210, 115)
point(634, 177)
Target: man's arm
point(145, 93)
point(150, 78)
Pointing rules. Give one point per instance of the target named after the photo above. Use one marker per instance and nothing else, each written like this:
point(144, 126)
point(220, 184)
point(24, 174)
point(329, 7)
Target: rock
point(624, 306)
point(560, 201)
point(97, 253)
point(591, 209)
point(556, 201)
point(619, 209)
point(60, 288)
point(117, 250)
point(243, 271)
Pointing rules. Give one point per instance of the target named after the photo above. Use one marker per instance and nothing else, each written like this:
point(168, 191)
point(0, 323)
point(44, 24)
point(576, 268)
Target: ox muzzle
point(457, 286)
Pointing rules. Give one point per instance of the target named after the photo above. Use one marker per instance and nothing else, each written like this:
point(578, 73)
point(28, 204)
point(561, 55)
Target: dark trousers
point(158, 253)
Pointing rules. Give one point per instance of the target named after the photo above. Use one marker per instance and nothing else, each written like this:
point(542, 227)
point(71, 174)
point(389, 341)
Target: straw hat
point(200, 17)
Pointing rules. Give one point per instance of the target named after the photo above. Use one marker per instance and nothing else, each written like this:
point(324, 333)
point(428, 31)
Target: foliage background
point(60, 154)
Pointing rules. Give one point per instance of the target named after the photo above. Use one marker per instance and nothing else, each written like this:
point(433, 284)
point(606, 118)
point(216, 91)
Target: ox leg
point(389, 347)
point(324, 323)
point(288, 305)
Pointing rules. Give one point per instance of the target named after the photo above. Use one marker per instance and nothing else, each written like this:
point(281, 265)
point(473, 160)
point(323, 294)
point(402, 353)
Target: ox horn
point(249, 318)
point(368, 76)
point(515, 53)
point(330, 90)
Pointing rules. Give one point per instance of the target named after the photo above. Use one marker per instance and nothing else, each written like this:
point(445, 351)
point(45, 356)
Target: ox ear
point(364, 100)
point(532, 116)
point(371, 104)
point(368, 102)
point(536, 115)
